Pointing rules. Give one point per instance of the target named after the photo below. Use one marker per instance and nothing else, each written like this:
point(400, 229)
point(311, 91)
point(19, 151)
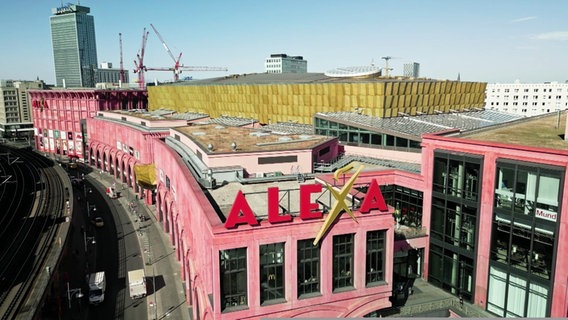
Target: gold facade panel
point(299, 102)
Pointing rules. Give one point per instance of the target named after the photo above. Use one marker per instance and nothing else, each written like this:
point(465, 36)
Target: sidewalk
point(161, 266)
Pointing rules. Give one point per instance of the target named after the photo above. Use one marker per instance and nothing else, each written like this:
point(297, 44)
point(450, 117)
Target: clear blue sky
point(491, 41)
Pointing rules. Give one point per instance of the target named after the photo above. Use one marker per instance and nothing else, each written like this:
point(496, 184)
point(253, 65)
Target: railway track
point(28, 227)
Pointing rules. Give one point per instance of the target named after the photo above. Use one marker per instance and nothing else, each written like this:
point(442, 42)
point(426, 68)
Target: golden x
point(340, 198)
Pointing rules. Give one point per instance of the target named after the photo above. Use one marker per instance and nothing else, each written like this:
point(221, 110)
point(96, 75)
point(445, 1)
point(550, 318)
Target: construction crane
point(139, 66)
point(387, 58)
point(122, 78)
point(177, 68)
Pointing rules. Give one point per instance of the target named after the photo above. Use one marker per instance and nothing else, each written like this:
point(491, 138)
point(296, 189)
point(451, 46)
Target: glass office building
point(74, 46)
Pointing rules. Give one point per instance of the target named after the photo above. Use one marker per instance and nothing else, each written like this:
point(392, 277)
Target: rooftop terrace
point(222, 138)
point(546, 131)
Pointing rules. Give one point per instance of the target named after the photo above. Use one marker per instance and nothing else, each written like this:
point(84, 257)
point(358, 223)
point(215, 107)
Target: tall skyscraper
point(74, 46)
point(412, 69)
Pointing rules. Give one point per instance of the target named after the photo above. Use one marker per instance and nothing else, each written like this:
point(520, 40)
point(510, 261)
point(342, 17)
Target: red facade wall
point(57, 115)
point(198, 233)
point(491, 152)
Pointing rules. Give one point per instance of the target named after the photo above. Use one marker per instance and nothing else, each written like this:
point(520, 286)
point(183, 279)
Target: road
point(115, 250)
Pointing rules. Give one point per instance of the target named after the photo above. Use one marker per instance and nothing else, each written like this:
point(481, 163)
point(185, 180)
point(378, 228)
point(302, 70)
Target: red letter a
point(374, 199)
point(240, 206)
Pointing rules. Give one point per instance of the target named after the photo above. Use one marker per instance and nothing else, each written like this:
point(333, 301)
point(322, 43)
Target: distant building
point(59, 116)
point(15, 114)
point(412, 69)
point(283, 63)
point(297, 97)
point(106, 74)
point(527, 99)
point(74, 46)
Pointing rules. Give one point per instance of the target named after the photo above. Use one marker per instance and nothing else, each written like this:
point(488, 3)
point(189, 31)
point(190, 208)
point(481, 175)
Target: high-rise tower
point(74, 46)
point(412, 69)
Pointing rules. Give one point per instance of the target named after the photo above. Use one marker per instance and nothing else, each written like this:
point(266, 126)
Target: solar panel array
point(418, 125)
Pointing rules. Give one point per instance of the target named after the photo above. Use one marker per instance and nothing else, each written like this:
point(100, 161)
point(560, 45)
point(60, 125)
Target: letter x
point(338, 205)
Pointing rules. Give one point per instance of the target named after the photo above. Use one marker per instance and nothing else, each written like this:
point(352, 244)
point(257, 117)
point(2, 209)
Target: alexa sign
point(241, 212)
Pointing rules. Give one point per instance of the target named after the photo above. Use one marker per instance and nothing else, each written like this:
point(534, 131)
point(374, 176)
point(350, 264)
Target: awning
point(146, 175)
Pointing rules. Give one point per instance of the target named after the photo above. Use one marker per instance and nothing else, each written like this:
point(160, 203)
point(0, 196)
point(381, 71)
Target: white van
point(97, 286)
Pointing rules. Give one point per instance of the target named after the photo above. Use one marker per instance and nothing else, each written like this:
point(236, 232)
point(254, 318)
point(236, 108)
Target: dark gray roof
point(289, 78)
point(418, 125)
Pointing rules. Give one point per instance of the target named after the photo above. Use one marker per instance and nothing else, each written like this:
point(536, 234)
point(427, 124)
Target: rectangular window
point(343, 261)
point(375, 257)
point(308, 267)
point(233, 276)
point(272, 273)
point(282, 159)
point(324, 151)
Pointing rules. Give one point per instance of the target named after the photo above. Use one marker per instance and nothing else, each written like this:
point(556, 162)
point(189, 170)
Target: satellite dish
point(234, 146)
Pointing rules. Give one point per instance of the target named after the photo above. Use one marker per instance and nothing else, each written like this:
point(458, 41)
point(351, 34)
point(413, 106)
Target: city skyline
point(495, 42)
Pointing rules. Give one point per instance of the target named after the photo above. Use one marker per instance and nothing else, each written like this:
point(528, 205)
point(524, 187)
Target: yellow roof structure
point(146, 175)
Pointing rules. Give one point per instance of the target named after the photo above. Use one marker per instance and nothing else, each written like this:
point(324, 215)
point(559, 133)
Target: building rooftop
point(545, 131)
point(221, 139)
point(289, 128)
point(291, 78)
point(422, 124)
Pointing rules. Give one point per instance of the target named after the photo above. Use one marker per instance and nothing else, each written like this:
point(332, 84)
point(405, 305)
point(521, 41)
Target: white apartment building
point(527, 99)
point(283, 63)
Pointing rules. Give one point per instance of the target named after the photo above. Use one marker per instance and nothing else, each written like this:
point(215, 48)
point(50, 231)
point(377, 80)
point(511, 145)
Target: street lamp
point(73, 293)
point(91, 239)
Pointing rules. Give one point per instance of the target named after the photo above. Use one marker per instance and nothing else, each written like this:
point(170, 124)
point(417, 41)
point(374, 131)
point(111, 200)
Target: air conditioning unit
point(260, 174)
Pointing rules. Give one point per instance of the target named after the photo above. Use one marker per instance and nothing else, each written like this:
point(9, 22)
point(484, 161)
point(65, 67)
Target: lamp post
point(73, 293)
point(91, 239)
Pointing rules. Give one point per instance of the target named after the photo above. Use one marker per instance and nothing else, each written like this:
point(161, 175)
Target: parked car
point(98, 222)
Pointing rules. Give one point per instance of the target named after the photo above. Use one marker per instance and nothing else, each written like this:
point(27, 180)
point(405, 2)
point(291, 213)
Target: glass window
point(354, 137)
point(522, 243)
point(390, 141)
point(516, 296)
point(375, 256)
point(437, 222)
point(401, 142)
point(547, 197)
point(496, 290)
point(343, 261)
point(308, 267)
point(272, 272)
point(440, 174)
point(233, 269)
point(376, 139)
point(365, 138)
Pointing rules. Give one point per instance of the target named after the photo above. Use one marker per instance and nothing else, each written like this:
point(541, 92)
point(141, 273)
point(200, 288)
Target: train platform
point(161, 266)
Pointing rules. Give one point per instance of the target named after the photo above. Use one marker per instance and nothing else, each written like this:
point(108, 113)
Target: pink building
point(247, 250)
point(498, 216)
point(59, 115)
point(484, 220)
